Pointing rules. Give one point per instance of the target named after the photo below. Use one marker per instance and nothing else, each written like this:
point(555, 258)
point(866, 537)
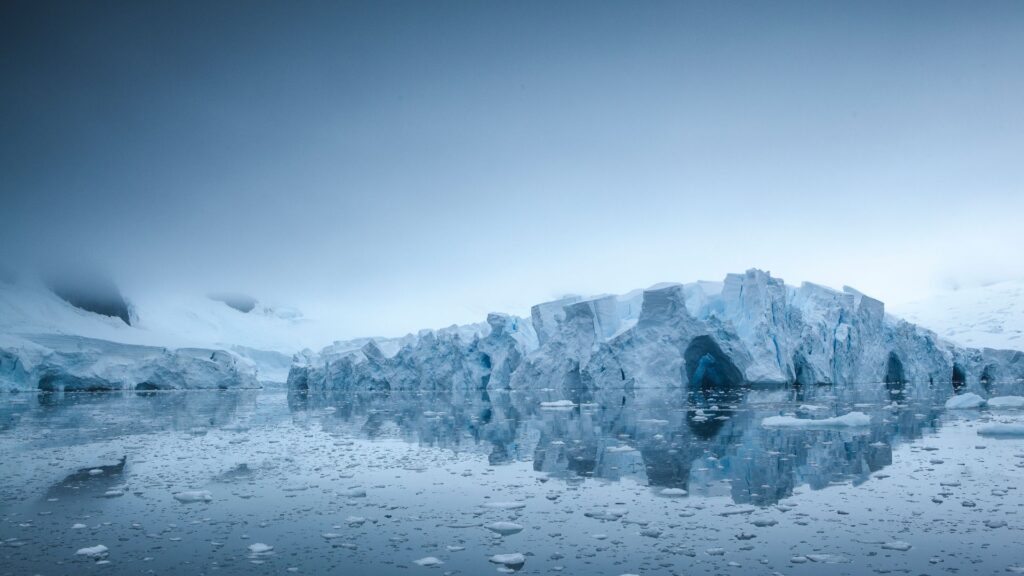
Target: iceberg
point(750, 330)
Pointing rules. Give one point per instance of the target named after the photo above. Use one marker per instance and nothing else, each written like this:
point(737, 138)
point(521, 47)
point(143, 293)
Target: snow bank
point(853, 419)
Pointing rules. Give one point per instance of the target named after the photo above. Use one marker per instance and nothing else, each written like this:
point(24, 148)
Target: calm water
point(639, 482)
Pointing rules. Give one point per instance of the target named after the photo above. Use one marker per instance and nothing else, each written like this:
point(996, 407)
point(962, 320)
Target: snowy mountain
point(750, 329)
point(990, 316)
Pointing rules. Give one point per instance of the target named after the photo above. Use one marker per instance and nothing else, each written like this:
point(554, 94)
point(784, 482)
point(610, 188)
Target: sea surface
point(402, 482)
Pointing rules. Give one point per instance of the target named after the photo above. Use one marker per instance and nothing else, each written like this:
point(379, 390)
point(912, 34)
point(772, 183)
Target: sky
point(399, 165)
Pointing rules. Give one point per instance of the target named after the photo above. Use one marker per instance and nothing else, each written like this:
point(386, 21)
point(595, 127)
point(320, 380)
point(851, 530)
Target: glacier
point(49, 343)
point(750, 330)
point(65, 363)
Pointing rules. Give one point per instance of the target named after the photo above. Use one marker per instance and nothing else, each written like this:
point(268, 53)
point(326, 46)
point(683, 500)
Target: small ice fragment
point(78, 526)
point(504, 528)
point(428, 561)
point(827, 558)
point(557, 404)
point(899, 545)
point(260, 548)
point(673, 492)
point(510, 560)
point(1001, 430)
point(505, 505)
point(965, 402)
point(96, 552)
point(189, 496)
point(1006, 402)
point(850, 420)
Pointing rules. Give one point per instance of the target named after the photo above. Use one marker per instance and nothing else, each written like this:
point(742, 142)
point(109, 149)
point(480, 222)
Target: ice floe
point(853, 419)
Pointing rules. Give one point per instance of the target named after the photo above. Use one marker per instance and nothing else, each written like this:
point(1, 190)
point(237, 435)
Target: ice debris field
point(269, 482)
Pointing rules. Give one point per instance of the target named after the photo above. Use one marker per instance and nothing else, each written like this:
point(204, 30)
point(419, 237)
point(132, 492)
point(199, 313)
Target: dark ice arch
point(708, 368)
point(716, 385)
point(959, 378)
point(895, 377)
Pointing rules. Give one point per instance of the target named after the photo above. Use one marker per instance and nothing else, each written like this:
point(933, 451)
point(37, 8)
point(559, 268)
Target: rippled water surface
point(624, 482)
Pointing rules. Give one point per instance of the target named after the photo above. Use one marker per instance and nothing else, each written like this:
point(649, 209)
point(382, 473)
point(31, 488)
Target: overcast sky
point(404, 165)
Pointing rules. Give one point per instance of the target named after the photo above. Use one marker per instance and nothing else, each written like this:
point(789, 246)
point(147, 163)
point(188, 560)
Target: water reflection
point(705, 442)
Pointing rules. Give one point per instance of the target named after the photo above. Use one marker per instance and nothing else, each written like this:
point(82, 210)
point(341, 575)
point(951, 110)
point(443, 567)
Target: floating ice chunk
point(95, 472)
point(899, 545)
point(673, 492)
point(609, 514)
point(330, 535)
point(353, 493)
point(96, 552)
point(827, 558)
point(510, 560)
point(557, 404)
point(189, 496)
point(355, 521)
point(428, 561)
point(260, 548)
point(1002, 430)
point(505, 505)
point(115, 492)
point(764, 522)
point(965, 402)
point(1006, 402)
point(995, 523)
point(504, 528)
point(78, 526)
point(852, 419)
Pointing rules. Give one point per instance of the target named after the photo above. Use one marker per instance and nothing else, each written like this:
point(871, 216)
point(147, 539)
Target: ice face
point(749, 329)
point(58, 363)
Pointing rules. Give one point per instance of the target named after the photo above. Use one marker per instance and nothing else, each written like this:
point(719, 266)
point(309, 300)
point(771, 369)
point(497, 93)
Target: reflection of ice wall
point(749, 329)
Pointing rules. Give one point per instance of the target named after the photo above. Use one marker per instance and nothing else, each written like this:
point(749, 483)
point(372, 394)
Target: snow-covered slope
point(990, 316)
point(267, 335)
point(171, 342)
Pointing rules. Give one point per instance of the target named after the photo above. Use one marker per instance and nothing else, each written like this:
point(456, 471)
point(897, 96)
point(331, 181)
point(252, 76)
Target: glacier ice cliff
point(749, 330)
point(59, 363)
